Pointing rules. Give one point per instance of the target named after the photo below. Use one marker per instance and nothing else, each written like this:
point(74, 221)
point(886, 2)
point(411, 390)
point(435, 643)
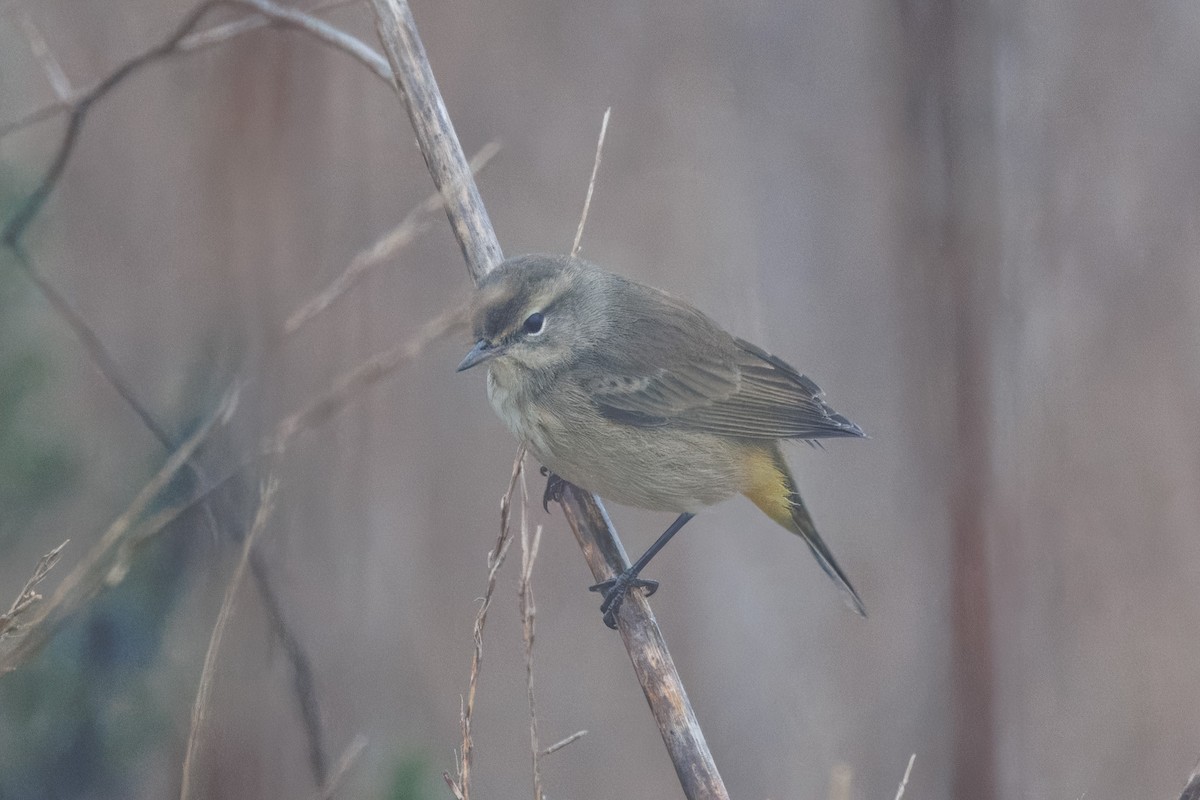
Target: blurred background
point(973, 224)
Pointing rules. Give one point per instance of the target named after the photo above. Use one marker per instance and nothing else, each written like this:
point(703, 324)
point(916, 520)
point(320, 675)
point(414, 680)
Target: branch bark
point(597, 538)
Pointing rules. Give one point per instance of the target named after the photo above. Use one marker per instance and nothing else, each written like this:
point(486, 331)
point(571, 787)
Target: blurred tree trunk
point(948, 48)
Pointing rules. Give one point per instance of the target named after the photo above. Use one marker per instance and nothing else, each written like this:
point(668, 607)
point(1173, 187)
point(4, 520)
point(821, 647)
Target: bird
point(628, 392)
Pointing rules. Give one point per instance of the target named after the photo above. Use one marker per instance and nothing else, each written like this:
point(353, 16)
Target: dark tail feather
point(808, 531)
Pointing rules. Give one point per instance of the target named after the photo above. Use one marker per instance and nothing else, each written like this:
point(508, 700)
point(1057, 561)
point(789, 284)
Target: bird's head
point(536, 313)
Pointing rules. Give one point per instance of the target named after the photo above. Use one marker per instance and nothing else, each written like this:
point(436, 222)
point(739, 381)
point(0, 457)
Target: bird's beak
point(482, 351)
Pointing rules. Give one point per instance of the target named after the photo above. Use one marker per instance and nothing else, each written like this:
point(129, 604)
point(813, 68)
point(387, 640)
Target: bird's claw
point(614, 591)
point(554, 489)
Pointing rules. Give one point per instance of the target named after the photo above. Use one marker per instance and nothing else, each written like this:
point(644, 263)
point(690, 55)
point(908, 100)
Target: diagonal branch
point(108, 561)
point(29, 596)
point(81, 105)
point(188, 44)
point(647, 649)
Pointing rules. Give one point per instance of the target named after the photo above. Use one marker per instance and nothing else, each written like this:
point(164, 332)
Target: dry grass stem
point(904, 781)
point(108, 561)
point(435, 136)
point(414, 223)
point(1192, 790)
point(348, 757)
point(322, 30)
point(587, 200)
point(643, 640)
point(266, 15)
point(369, 372)
point(29, 595)
point(462, 785)
point(560, 744)
point(841, 778)
point(45, 56)
point(529, 551)
point(223, 33)
point(266, 504)
point(82, 102)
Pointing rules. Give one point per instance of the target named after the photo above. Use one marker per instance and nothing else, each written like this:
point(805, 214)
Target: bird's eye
point(534, 323)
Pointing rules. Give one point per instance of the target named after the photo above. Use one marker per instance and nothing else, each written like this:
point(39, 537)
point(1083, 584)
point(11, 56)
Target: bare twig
point(453, 784)
point(462, 786)
point(369, 372)
point(266, 504)
point(81, 104)
point(647, 648)
point(904, 781)
point(529, 551)
point(694, 765)
point(78, 104)
point(11, 236)
point(587, 201)
point(108, 561)
point(351, 754)
point(435, 134)
point(204, 39)
point(223, 33)
point(29, 595)
point(45, 56)
point(79, 107)
point(1192, 790)
point(560, 744)
point(841, 778)
point(413, 224)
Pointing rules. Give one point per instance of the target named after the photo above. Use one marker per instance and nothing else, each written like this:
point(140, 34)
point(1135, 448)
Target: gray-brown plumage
point(628, 392)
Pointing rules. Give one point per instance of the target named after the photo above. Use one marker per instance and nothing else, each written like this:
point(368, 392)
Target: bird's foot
point(614, 591)
point(554, 488)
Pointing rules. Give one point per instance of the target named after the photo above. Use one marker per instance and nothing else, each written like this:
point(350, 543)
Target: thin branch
point(559, 745)
point(462, 785)
point(351, 754)
point(413, 224)
point(108, 561)
point(29, 595)
point(180, 41)
point(587, 200)
point(45, 56)
point(11, 236)
point(268, 13)
point(367, 373)
point(266, 504)
point(79, 107)
point(1192, 790)
point(529, 551)
point(435, 134)
point(190, 44)
point(904, 781)
point(329, 34)
point(841, 778)
point(597, 538)
point(230, 30)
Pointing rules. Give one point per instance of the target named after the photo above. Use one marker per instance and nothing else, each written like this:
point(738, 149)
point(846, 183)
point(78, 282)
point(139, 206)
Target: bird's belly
point(654, 468)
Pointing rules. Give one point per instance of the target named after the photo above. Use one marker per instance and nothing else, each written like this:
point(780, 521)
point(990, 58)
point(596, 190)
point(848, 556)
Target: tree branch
point(182, 39)
point(435, 134)
point(443, 154)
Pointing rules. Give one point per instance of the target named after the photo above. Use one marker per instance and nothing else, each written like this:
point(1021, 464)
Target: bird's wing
point(653, 368)
point(686, 372)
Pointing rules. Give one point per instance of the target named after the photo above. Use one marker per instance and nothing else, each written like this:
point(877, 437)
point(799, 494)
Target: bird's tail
point(773, 489)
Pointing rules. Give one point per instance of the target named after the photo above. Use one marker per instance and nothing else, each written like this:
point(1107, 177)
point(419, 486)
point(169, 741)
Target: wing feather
point(673, 366)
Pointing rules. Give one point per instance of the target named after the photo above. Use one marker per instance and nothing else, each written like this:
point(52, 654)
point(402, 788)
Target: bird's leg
point(614, 589)
point(554, 488)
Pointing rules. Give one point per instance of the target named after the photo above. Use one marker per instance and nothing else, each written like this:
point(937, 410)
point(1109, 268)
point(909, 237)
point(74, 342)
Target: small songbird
point(625, 391)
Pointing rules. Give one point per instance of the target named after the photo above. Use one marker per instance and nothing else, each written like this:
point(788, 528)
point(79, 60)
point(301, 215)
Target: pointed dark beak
point(482, 351)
